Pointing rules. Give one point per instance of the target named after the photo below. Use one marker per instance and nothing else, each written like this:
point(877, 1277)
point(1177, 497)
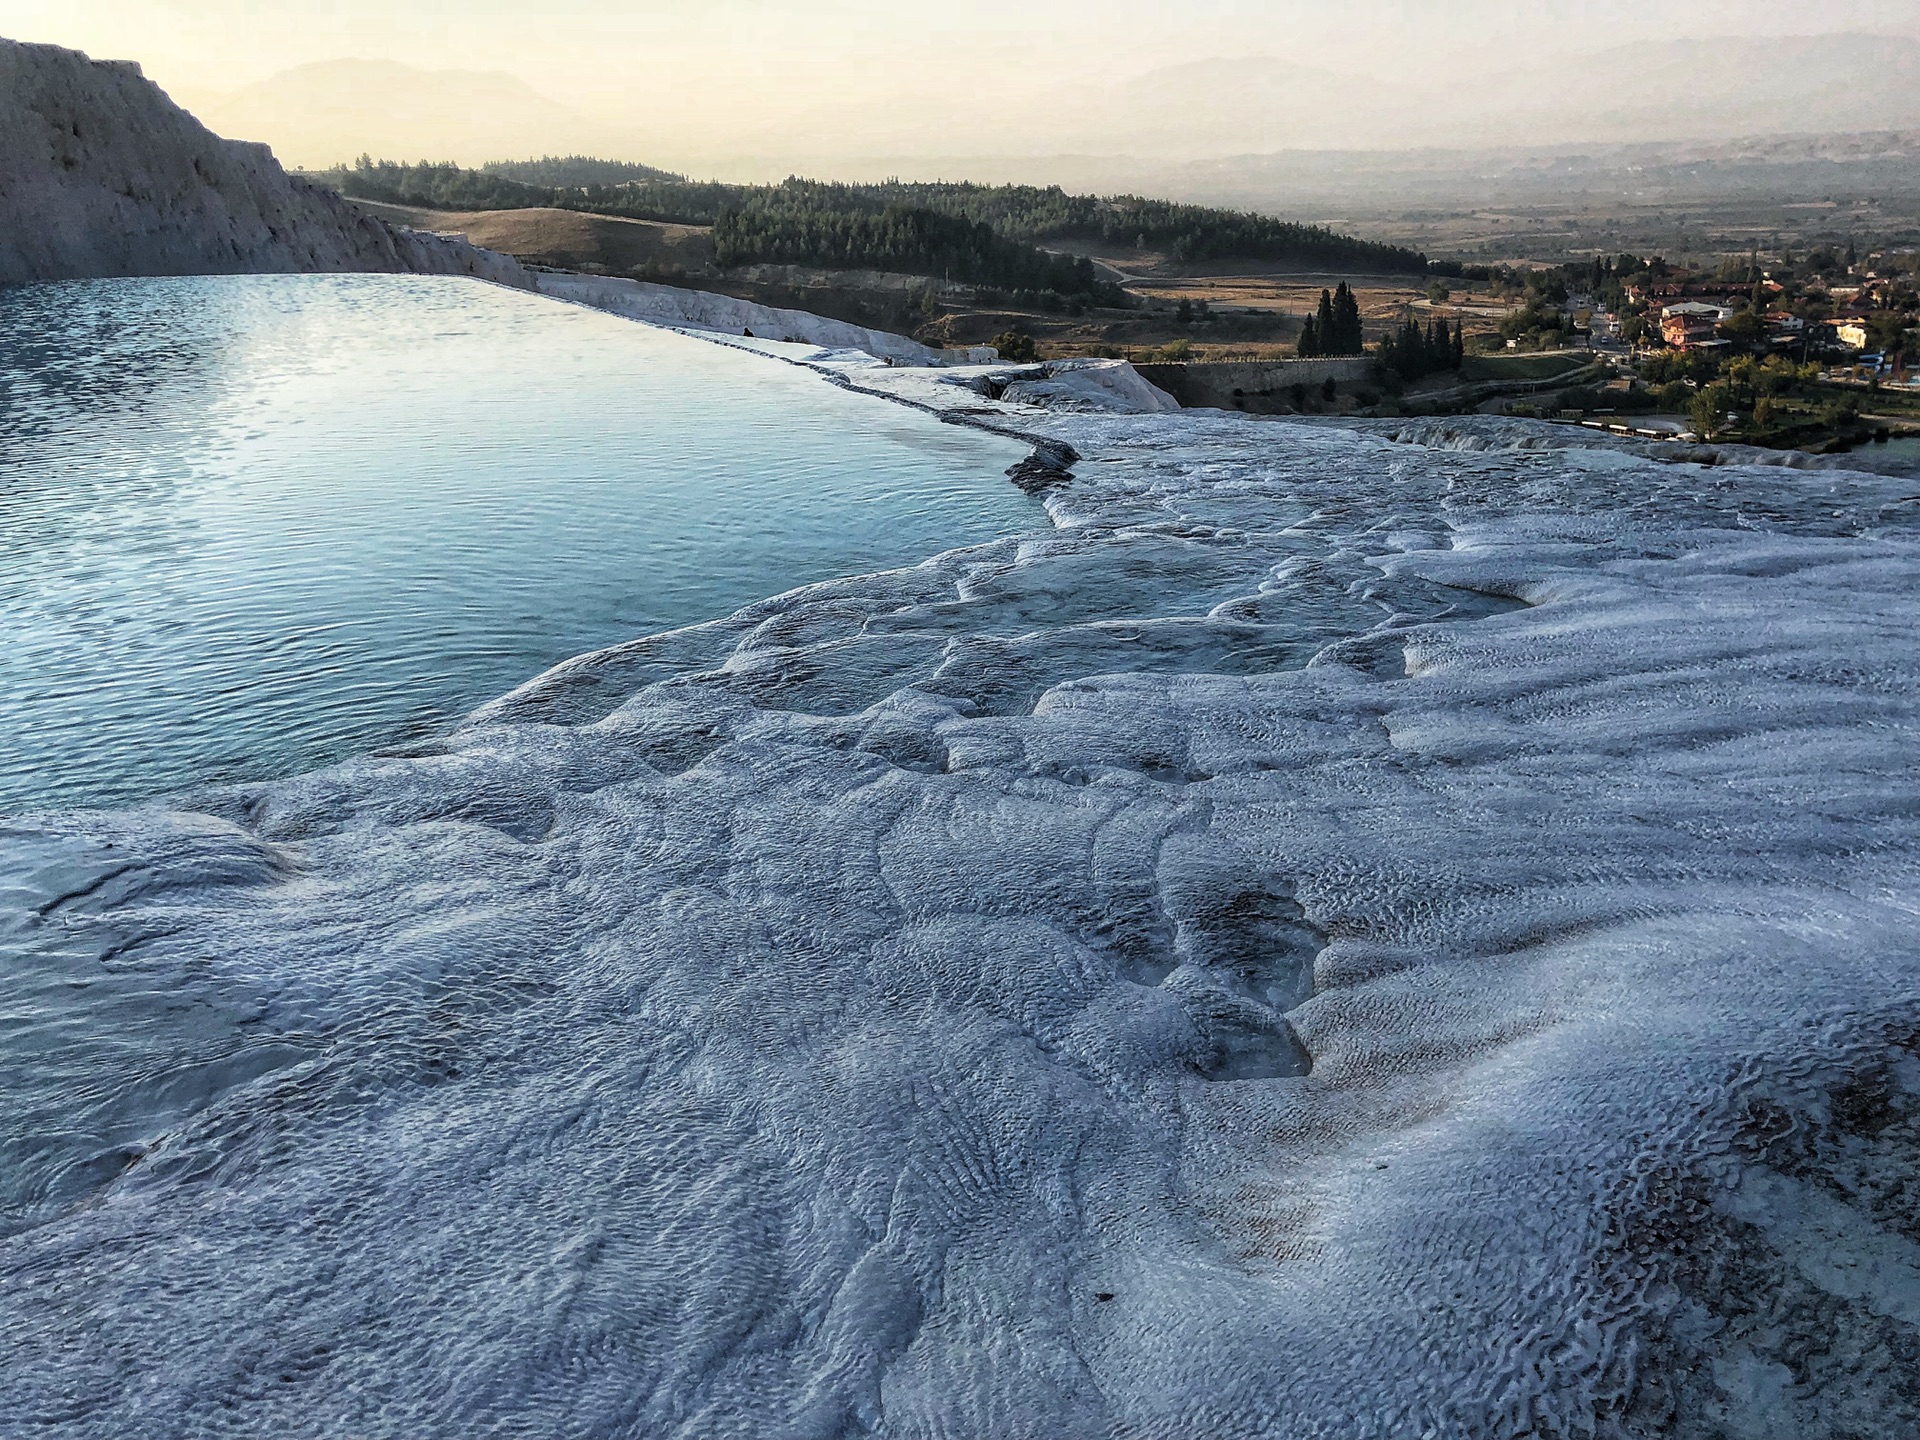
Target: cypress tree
point(1309, 346)
point(1327, 331)
point(1343, 322)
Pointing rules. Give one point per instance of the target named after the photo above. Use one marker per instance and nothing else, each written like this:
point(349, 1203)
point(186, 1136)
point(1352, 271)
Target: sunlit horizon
point(754, 89)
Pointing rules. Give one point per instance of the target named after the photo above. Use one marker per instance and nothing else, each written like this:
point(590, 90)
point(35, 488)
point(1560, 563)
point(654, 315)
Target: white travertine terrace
point(1336, 938)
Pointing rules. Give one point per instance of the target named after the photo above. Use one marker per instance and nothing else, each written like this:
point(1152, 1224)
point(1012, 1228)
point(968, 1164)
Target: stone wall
point(101, 174)
point(1257, 387)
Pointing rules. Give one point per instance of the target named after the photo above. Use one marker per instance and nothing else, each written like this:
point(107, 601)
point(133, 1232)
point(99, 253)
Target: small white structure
point(1700, 310)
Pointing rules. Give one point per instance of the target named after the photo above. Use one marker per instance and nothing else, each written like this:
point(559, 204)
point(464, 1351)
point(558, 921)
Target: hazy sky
point(718, 76)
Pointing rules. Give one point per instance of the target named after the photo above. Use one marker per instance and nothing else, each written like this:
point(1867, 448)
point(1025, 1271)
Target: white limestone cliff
point(101, 174)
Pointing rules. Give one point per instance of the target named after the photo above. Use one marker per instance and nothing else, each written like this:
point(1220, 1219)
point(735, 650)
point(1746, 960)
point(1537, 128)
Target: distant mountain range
point(1883, 165)
point(1671, 90)
point(1209, 115)
point(1719, 89)
point(321, 114)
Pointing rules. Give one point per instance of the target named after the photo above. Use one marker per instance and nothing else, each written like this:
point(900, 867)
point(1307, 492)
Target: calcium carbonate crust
point(1486, 433)
point(1334, 939)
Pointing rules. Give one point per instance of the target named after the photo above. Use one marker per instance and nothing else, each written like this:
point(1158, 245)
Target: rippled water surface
point(251, 525)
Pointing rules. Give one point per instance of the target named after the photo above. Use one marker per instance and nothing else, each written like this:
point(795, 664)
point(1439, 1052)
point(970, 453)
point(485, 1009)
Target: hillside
point(101, 174)
point(568, 239)
point(980, 233)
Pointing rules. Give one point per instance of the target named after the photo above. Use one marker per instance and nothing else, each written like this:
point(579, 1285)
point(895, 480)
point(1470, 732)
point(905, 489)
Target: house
point(1852, 334)
point(1700, 309)
point(1693, 327)
point(1660, 298)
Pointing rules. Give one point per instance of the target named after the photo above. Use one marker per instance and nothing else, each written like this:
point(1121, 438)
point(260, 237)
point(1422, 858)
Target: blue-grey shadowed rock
point(101, 174)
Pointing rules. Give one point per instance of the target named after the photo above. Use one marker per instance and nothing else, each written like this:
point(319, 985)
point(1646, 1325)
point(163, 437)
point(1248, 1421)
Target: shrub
point(1016, 346)
point(1674, 396)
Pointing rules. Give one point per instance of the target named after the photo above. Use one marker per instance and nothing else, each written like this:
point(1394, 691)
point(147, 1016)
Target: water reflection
point(251, 525)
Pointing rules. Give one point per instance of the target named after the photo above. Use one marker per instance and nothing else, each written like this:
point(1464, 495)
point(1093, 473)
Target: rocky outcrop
point(101, 174)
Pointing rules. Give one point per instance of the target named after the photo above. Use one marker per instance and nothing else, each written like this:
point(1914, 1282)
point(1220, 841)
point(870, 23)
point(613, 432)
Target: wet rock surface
point(1337, 938)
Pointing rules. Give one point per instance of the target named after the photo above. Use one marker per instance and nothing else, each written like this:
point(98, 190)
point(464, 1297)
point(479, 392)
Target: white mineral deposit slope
point(1337, 938)
point(701, 310)
point(101, 174)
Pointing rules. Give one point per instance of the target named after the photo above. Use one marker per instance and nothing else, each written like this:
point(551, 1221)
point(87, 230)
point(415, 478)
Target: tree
point(1707, 410)
point(1438, 293)
point(1887, 330)
point(1309, 347)
point(1016, 346)
point(1412, 353)
point(1184, 315)
point(1745, 330)
point(1324, 326)
point(1349, 337)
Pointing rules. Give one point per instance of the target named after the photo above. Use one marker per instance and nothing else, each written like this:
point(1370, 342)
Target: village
point(1815, 354)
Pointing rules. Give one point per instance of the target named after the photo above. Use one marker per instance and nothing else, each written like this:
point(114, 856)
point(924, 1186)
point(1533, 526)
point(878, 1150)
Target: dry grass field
point(566, 239)
point(1238, 312)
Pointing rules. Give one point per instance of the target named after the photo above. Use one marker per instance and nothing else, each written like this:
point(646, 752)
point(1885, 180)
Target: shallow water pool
point(251, 525)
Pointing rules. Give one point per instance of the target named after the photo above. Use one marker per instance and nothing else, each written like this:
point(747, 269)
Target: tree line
point(671, 199)
point(906, 241)
point(576, 172)
point(1187, 233)
point(1413, 353)
point(1020, 213)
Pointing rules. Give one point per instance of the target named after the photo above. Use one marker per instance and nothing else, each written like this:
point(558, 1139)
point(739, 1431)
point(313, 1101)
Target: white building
point(1701, 310)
